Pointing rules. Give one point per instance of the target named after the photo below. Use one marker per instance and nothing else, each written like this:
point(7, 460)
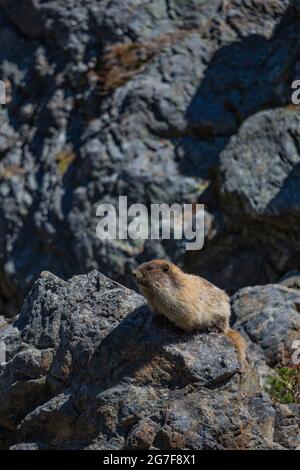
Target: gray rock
point(287, 428)
point(91, 368)
point(259, 195)
point(268, 316)
point(263, 177)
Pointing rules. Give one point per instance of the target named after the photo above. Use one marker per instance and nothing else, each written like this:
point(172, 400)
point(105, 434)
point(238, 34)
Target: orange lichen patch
point(292, 107)
point(172, 439)
point(122, 61)
point(108, 416)
point(242, 438)
point(64, 159)
point(46, 360)
point(177, 441)
point(10, 171)
point(144, 434)
point(154, 370)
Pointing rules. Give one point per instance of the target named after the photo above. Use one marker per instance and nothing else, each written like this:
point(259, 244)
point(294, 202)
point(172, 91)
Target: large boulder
point(268, 316)
point(89, 367)
point(261, 177)
point(259, 193)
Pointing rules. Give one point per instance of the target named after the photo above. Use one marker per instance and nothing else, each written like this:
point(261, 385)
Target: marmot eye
point(149, 268)
point(166, 268)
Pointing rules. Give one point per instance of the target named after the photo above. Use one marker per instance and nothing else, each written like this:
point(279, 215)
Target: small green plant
point(284, 387)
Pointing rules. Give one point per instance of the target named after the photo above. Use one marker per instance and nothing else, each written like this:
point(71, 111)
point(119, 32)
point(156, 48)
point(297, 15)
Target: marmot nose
point(136, 275)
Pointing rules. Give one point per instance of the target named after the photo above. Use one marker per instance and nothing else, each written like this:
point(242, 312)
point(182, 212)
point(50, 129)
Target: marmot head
point(155, 275)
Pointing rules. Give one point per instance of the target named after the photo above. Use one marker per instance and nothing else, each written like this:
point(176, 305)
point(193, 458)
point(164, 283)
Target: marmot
point(188, 301)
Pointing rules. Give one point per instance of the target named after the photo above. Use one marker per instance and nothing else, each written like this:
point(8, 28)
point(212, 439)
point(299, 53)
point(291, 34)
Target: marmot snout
point(150, 275)
point(188, 301)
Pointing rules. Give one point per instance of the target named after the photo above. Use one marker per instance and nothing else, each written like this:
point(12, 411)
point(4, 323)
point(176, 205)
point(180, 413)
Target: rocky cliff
point(89, 367)
point(163, 101)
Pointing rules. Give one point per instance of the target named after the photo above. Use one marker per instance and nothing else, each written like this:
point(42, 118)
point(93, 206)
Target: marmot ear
point(166, 268)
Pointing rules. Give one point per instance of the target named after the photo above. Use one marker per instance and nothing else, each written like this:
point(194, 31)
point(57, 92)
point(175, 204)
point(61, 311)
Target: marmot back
point(188, 301)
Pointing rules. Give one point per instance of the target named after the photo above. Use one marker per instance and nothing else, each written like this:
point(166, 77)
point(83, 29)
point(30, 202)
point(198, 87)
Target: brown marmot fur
point(188, 301)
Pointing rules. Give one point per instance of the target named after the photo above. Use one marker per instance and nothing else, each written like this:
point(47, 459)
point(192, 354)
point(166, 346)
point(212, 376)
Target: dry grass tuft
point(64, 159)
